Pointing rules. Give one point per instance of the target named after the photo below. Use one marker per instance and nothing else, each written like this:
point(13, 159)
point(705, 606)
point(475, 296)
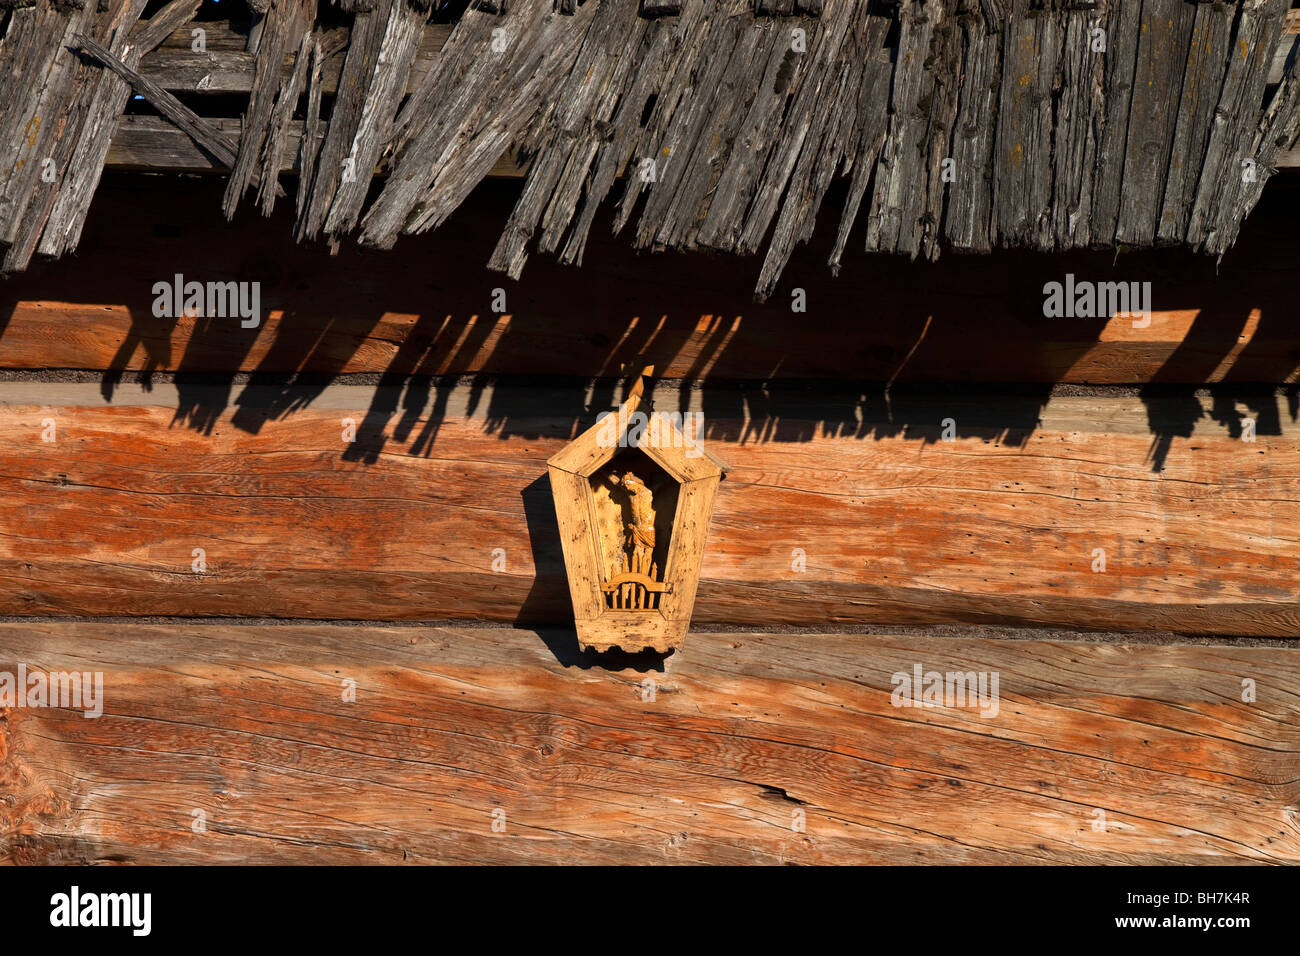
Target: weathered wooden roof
point(708, 124)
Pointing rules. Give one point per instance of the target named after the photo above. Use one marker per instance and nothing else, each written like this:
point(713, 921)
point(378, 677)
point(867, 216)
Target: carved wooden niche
point(633, 496)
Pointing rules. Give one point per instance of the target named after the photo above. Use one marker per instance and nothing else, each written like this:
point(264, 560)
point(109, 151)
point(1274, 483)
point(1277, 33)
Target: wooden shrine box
point(632, 499)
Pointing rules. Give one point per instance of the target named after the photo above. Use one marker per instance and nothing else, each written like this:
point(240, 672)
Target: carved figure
point(639, 542)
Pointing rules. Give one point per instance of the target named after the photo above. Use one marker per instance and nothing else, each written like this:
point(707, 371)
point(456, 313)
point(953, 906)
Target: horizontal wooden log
point(224, 65)
point(223, 744)
point(152, 144)
point(1285, 47)
point(962, 319)
point(200, 129)
point(841, 507)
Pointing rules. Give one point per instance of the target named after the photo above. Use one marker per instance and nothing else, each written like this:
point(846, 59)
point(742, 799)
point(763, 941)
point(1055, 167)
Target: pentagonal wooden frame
point(601, 628)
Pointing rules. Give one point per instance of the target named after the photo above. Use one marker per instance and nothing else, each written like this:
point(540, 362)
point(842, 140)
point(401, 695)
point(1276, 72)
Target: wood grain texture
point(110, 95)
point(282, 33)
point(573, 519)
point(1206, 65)
point(1232, 139)
point(737, 125)
point(41, 126)
point(225, 66)
point(150, 143)
point(426, 306)
point(198, 128)
point(970, 193)
point(1022, 159)
point(744, 733)
point(1164, 68)
point(891, 523)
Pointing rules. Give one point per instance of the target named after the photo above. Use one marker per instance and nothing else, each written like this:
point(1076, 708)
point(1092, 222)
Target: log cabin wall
point(317, 560)
point(833, 422)
point(850, 532)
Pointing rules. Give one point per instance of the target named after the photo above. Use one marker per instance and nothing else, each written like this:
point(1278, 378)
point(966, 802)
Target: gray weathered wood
point(34, 123)
point(1080, 117)
point(1022, 158)
point(996, 123)
point(970, 194)
point(839, 139)
point(62, 116)
point(1236, 117)
point(277, 135)
point(332, 164)
point(143, 143)
point(1158, 88)
point(1279, 131)
point(395, 45)
point(285, 24)
point(1121, 23)
point(923, 104)
point(199, 129)
point(763, 74)
point(1207, 62)
point(566, 145)
point(446, 148)
point(68, 215)
point(619, 142)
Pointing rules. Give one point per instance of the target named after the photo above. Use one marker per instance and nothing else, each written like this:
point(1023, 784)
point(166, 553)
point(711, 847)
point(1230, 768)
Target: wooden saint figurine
point(640, 540)
point(632, 584)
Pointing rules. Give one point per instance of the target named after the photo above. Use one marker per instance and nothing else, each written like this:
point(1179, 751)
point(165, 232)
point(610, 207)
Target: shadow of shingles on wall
point(889, 318)
point(1173, 408)
point(1246, 356)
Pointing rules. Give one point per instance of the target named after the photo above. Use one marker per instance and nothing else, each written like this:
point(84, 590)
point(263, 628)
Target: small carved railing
point(630, 591)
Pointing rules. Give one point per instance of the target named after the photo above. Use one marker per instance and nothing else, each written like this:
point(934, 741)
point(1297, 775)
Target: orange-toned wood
point(427, 306)
point(746, 748)
point(839, 509)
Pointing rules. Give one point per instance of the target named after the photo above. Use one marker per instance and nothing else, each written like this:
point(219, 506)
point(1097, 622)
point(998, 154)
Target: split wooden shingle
point(705, 124)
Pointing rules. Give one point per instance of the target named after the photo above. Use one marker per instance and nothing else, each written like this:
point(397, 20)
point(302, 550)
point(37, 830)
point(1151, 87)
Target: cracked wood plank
point(922, 108)
point(1207, 62)
point(40, 62)
point(1081, 116)
point(1231, 141)
point(569, 141)
point(197, 128)
point(1022, 159)
point(394, 51)
point(152, 144)
point(1123, 33)
point(278, 138)
point(333, 163)
point(746, 735)
point(225, 66)
point(835, 141)
point(67, 217)
point(1277, 133)
point(1166, 31)
point(968, 224)
point(49, 165)
point(286, 23)
point(1197, 526)
point(745, 134)
point(503, 70)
